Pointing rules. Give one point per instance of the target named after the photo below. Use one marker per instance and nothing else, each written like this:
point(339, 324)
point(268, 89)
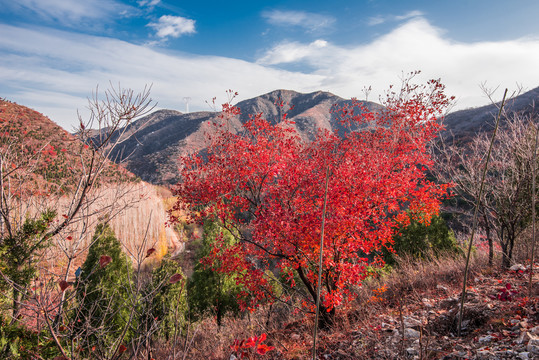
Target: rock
point(232, 357)
point(533, 345)
point(484, 355)
point(486, 339)
point(411, 322)
point(295, 336)
point(443, 288)
point(411, 333)
point(412, 351)
point(517, 267)
point(524, 338)
point(524, 355)
point(535, 330)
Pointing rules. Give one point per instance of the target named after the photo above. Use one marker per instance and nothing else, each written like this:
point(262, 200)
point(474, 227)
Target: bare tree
point(505, 206)
point(52, 196)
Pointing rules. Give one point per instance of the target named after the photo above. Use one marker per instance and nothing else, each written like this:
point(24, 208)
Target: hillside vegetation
point(299, 226)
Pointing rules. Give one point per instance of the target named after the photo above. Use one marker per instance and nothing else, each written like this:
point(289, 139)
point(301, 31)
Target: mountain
point(163, 136)
point(464, 124)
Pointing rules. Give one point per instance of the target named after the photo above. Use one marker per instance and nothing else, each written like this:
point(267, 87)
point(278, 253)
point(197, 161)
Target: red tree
point(268, 185)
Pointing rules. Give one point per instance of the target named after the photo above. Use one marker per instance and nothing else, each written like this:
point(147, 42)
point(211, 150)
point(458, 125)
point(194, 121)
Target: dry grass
point(291, 333)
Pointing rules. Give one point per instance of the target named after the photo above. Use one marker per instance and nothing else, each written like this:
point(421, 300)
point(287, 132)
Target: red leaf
point(122, 349)
point(69, 238)
point(263, 348)
point(63, 285)
point(175, 278)
point(104, 260)
point(150, 252)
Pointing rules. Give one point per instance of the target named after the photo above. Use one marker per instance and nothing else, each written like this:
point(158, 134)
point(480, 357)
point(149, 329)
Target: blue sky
point(53, 53)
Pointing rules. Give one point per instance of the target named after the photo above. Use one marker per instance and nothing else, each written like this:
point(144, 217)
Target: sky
point(55, 53)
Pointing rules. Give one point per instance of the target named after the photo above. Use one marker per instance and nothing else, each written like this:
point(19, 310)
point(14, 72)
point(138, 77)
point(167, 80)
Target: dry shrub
point(412, 279)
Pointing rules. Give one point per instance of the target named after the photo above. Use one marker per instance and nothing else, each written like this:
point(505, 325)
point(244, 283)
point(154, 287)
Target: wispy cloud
point(148, 3)
point(54, 72)
point(377, 20)
point(308, 21)
point(68, 12)
point(292, 51)
point(173, 26)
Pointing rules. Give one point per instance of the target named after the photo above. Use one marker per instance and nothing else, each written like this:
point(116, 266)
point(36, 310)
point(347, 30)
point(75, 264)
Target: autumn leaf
point(150, 252)
point(63, 285)
point(122, 349)
point(104, 260)
point(263, 349)
point(175, 278)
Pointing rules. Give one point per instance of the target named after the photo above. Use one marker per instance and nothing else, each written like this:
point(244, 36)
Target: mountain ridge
point(162, 137)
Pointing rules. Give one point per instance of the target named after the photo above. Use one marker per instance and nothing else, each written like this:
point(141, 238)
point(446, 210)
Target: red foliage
point(505, 294)
point(268, 184)
point(254, 342)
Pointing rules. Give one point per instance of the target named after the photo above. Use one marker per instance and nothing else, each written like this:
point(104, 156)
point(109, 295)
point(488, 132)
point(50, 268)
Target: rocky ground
point(501, 321)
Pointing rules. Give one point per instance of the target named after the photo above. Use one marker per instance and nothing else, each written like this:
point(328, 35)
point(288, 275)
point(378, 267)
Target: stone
point(524, 355)
point(517, 267)
point(295, 336)
point(486, 338)
point(533, 345)
point(411, 333)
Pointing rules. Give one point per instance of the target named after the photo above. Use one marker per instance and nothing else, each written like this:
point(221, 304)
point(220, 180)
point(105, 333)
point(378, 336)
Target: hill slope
point(464, 124)
point(43, 164)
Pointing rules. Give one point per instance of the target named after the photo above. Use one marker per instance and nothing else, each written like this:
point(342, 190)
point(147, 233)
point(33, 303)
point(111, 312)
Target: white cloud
point(68, 12)
point(377, 20)
point(148, 3)
point(55, 71)
point(289, 52)
point(309, 21)
point(174, 26)
point(416, 45)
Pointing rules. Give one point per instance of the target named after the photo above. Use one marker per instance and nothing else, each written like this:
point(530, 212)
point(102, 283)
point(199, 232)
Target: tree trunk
point(326, 319)
point(490, 243)
point(16, 304)
point(506, 259)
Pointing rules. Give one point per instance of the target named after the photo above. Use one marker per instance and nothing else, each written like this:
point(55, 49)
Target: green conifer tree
point(106, 313)
point(208, 290)
point(169, 303)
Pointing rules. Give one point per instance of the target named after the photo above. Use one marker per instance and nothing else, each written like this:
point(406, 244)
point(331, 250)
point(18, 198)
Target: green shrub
point(423, 241)
point(17, 342)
